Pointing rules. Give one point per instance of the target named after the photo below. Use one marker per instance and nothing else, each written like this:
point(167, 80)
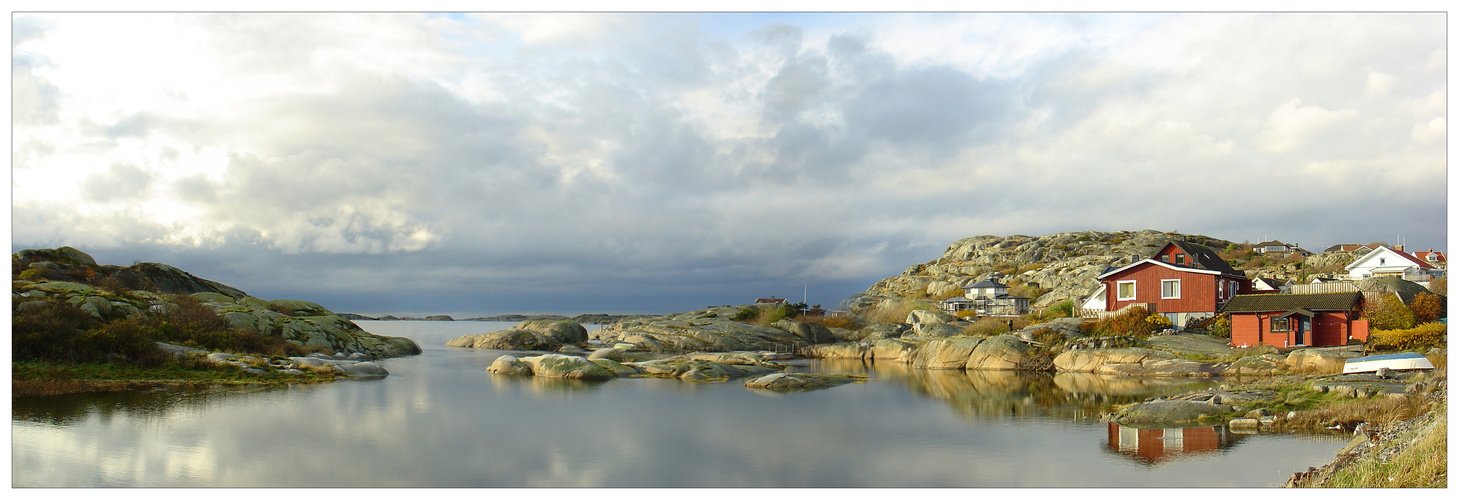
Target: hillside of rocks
point(110, 292)
point(1063, 266)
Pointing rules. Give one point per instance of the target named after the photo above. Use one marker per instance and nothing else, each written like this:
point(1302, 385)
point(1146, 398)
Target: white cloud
point(635, 146)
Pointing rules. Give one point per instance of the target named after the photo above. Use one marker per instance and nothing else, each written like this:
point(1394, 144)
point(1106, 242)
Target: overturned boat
point(1396, 362)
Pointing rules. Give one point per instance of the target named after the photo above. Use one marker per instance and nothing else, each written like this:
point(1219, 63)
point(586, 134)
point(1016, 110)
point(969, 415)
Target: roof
point(771, 300)
point(1437, 256)
point(1266, 281)
point(1341, 301)
point(1273, 243)
point(1385, 250)
point(987, 284)
point(1205, 259)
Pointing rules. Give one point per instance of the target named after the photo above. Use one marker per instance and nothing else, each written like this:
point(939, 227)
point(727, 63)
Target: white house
point(987, 298)
point(1385, 261)
point(1094, 302)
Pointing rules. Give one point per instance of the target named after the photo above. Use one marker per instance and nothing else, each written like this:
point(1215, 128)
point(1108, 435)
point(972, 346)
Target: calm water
point(440, 420)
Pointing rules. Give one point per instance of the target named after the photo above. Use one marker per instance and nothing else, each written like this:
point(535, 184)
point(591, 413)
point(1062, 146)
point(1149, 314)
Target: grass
point(1423, 465)
point(895, 311)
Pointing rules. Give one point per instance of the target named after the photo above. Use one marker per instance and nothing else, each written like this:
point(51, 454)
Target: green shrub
point(1427, 335)
point(33, 274)
point(1064, 309)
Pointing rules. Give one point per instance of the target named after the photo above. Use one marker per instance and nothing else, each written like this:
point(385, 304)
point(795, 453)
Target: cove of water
point(439, 420)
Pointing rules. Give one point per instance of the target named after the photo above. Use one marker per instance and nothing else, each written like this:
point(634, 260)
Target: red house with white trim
point(1181, 281)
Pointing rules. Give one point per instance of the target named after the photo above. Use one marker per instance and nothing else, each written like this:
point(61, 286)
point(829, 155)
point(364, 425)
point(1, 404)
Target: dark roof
point(1204, 258)
point(987, 284)
point(1341, 301)
point(1274, 243)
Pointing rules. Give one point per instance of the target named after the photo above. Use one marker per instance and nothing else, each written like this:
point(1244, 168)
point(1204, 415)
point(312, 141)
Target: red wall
point(1197, 291)
point(1328, 329)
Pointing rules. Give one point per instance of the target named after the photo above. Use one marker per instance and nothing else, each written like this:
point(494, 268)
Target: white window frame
point(1133, 290)
point(1177, 289)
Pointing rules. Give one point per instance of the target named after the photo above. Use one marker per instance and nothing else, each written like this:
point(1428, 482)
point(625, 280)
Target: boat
point(1396, 362)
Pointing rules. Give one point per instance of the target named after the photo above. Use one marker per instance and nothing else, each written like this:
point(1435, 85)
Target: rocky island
point(139, 320)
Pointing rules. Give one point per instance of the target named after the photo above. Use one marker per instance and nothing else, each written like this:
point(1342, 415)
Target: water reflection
point(146, 404)
point(439, 420)
point(1000, 394)
point(1155, 446)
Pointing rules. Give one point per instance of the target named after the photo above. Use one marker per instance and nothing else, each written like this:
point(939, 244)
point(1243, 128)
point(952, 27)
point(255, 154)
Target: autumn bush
point(1220, 327)
point(1389, 313)
point(1139, 323)
point(1424, 336)
point(1427, 307)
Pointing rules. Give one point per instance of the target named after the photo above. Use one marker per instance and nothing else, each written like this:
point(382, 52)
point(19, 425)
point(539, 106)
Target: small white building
point(1385, 261)
point(987, 298)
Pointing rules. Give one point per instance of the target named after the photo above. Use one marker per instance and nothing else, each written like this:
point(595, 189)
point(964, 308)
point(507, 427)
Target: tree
point(1389, 313)
point(1427, 307)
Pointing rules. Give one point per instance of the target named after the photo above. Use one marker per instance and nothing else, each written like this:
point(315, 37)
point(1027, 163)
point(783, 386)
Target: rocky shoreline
point(586, 319)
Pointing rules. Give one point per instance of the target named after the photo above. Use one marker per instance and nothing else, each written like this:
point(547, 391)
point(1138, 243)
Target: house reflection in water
point(1154, 446)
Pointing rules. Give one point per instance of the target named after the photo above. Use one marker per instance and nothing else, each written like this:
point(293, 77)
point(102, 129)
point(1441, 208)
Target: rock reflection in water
point(154, 403)
point(1014, 394)
point(1155, 446)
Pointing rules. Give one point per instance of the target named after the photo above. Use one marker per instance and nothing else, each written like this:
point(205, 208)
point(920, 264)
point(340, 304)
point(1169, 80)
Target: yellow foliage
point(1425, 335)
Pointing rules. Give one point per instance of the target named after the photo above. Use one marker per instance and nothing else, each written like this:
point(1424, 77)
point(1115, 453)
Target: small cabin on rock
point(987, 298)
point(1181, 281)
point(1286, 320)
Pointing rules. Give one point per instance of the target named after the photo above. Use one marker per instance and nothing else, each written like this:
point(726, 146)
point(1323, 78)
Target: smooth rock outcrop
point(1002, 352)
point(699, 370)
point(567, 367)
point(799, 382)
point(1319, 360)
point(1163, 413)
point(704, 330)
point(509, 365)
point(880, 331)
point(839, 350)
point(945, 354)
point(563, 331)
point(1090, 360)
point(809, 333)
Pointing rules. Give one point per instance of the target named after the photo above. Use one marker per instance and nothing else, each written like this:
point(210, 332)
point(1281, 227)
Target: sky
point(489, 163)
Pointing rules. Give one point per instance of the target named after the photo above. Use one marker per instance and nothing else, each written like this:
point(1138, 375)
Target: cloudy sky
point(491, 163)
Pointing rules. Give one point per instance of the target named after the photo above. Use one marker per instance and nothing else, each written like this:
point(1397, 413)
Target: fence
point(1333, 287)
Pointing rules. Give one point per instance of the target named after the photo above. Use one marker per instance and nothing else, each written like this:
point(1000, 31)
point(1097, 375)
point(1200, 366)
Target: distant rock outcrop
point(114, 292)
point(1063, 264)
point(710, 330)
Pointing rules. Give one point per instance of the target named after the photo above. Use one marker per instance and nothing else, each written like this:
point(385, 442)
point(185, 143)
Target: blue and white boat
point(1396, 362)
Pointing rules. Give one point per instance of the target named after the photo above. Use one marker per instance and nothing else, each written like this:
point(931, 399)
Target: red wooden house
point(1182, 281)
point(1285, 320)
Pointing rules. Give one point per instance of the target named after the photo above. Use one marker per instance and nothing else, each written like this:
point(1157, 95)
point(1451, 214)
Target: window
point(1125, 290)
point(1180, 259)
point(1169, 289)
point(1281, 324)
point(1165, 257)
